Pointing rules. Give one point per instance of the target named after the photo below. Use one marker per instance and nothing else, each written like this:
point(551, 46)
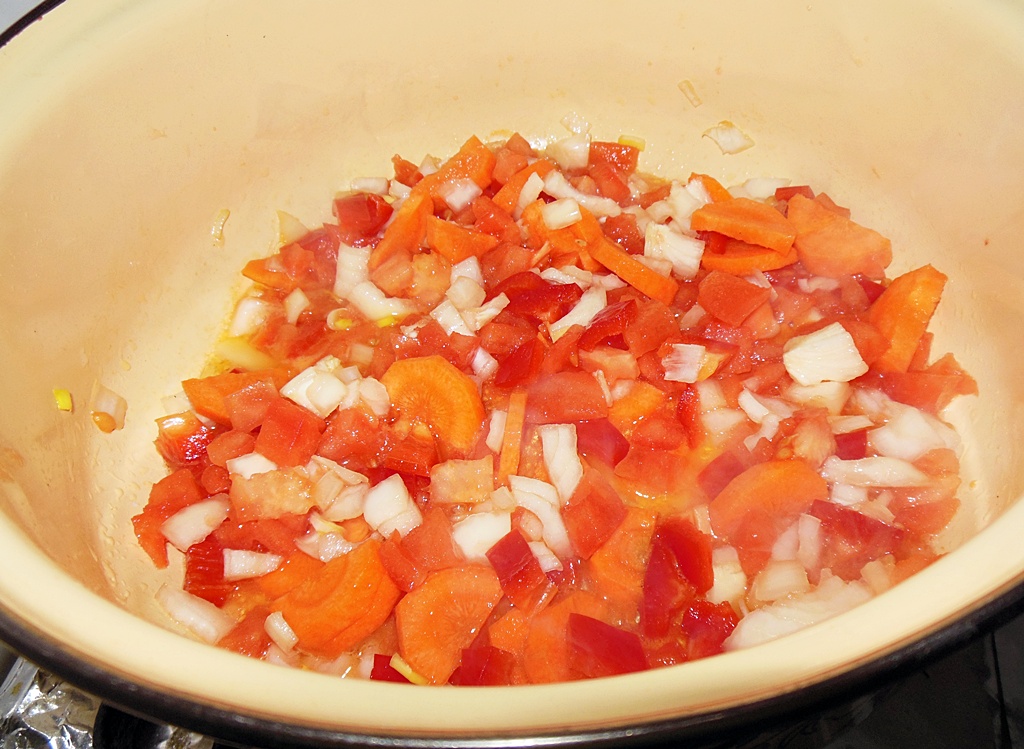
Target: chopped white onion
point(373, 393)
point(478, 532)
point(830, 395)
point(477, 317)
point(339, 492)
point(831, 597)
point(332, 545)
point(532, 189)
point(496, 430)
point(730, 582)
point(557, 186)
point(468, 268)
point(721, 422)
point(241, 354)
point(575, 124)
point(289, 228)
point(851, 423)
point(808, 551)
point(817, 283)
point(250, 464)
point(280, 632)
point(875, 471)
point(374, 185)
point(541, 498)
point(373, 304)
point(352, 269)
point(107, 407)
point(690, 93)
point(198, 616)
point(449, 318)
point(250, 314)
point(459, 193)
point(684, 362)
point(593, 301)
point(847, 495)
point(547, 559)
point(240, 564)
point(780, 579)
point(561, 213)
point(399, 191)
point(484, 365)
point(762, 188)
point(911, 433)
point(294, 305)
point(465, 292)
point(729, 138)
point(826, 354)
point(192, 524)
point(388, 507)
point(572, 152)
point(787, 543)
point(683, 252)
point(558, 443)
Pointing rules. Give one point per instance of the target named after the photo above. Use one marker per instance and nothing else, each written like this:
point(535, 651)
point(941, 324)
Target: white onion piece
point(851, 423)
point(250, 314)
point(831, 597)
point(557, 186)
point(241, 354)
point(459, 193)
point(683, 363)
point(448, 317)
point(710, 395)
point(332, 545)
point(496, 430)
point(910, 434)
point(593, 301)
point(388, 507)
point(541, 498)
point(575, 124)
point(762, 188)
point(484, 365)
point(107, 407)
point(817, 283)
point(289, 228)
point(532, 189)
point(250, 464)
point(468, 268)
point(786, 545)
point(778, 579)
point(477, 533)
point(847, 495)
point(876, 574)
point(338, 492)
point(830, 395)
point(241, 564)
point(192, 524)
point(373, 304)
point(561, 276)
point(352, 269)
point(502, 499)
point(280, 632)
point(662, 242)
point(721, 422)
point(373, 393)
point(465, 292)
point(295, 304)
point(399, 191)
point(690, 93)
point(558, 443)
point(808, 551)
point(572, 152)
point(545, 557)
point(477, 317)
point(561, 213)
point(374, 185)
point(875, 471)
point(729, 138)
point(198, 616)
point(730, 581)
point(826, 354)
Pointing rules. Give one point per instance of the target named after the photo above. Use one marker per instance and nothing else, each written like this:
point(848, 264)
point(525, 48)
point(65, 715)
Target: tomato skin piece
point(666, 592)
point(182, 439)
point(594, 512)
point(608, 323)
point(707, 626)
point(599, 649)
point(247, 407)
point(522, 579)
point(352, 438)
point(228, 445)
point(565, 396)
point(521, 365)
point(623, 157)
point(624, 231)
point(730, 298)
point(653, 325)
point(290, 434)
point(852, 539)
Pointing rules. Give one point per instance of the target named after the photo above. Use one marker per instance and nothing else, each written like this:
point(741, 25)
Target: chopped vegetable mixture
point(529, 415)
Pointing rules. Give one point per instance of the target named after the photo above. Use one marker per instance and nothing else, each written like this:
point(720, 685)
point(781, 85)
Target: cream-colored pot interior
point(129, 125)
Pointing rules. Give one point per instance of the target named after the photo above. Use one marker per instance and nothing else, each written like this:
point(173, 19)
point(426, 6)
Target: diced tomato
point(247, 407)
point(490, 219)
point(290, 434)
point(182, 439)
point(707, 626)
point(204, 571)
point(215, 480)
point(611, 182)
point(608, 323)
point(505, 260)
point(169, 495)
point(653, 325)
point(361, 216)
point(228, 445)
point(598, 649)
point(543, 304)
point(667, 592)
point(485, 666)
point(787, 192)
point(852, 539)
point(249, 637)
point(414, 454)
point(519, 572)
point(730, 298)
point(565, 396)
point(593, 514)
point(599, 440)
point(352, 438)
point(430, 544)
point(521, 365)
point(504, 334)
point(622, 157)
point(624, 231)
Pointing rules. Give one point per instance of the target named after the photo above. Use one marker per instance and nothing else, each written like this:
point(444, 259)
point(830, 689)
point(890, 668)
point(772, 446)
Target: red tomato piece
point(352, 438)
point(653, 325)
point(730, 298)
point(608, 323)
point(412, 454)
point(622, 157)
point(522, 579)
point(485, 666)
point(611, 182)
point(247, 407)
point(593, 514)
point(228, 445)
point(490, 219)
point(598, 439)
point(719, 472)
point(399, 564)
point(204, 571)
point(688, 413)
point(504, 261)
point(544, 304)
point(430, 544)
point(787, 192)
point(666, 592)
point(624, 231)
point(383, 670)
point(504, 334)
point(361, 216)
point(215, 480)
point(707, 626)
point(521, 365)
point(598, 649)
point(290, 434)
point(852, 539)
point(170, 494)
point(248, 637)
point(182, 439)
point(565, 396)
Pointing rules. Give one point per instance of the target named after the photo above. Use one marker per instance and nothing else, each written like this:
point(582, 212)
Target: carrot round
point(902, 314)
point(442, 616)
point(746, 219)
point(781, 488)
point(431, 390)
point(342, 603)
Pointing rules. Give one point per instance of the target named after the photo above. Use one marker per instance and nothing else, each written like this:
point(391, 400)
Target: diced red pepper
point(599, 649)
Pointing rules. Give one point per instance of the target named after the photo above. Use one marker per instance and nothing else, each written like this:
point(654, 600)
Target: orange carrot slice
point(295, 569)
point(715, 189)
point(632, 271)
point(508, 196)
point(546, 656)
point(642, 400)
point(442, 616)
point(830, 244)
point(746, 219)
point(617, 568)
point(457, 242)
point(432, 391)
point(512, 438)
point(781, 488)
point(342, 604)
point(207, 394)
point(902, 314)
point(474, 161)
point(406, 231)
point(742, 258)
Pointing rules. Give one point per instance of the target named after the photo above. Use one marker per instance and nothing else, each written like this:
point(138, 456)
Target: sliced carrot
point(780, 488)
point(902, 314)
point(512, 438)
point(432, 391)
point(742, 258)
point(442, 616)
point(507, 197)
point(546, 656)
point(207, 394)
point(296, 568)
point(406, 231)
point(342, 603)
point(457, 242)
point(746, 219)
point(715, 188)
point(830, 244)
point(474, 161)
point(632, 271)
point(509, 631)
point(570, 245)
point(617, 568)
point(729, 298)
